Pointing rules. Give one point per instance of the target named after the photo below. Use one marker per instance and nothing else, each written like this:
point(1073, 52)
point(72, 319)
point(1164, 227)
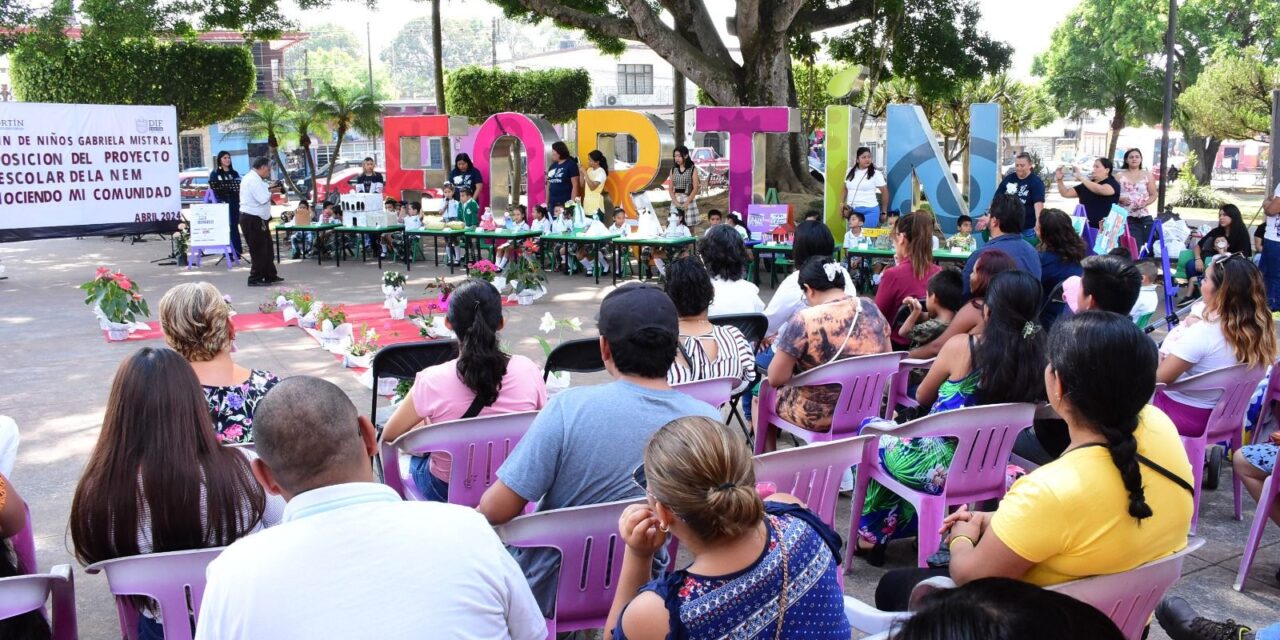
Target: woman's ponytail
point(475, 311)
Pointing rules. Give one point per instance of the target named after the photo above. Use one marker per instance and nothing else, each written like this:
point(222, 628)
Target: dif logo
point(144, 125)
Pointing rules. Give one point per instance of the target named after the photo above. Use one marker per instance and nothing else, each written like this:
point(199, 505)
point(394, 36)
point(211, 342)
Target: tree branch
point(784, 14)
point(603, 24)
point(711, 74)
point(692, 18)
point(827, 18)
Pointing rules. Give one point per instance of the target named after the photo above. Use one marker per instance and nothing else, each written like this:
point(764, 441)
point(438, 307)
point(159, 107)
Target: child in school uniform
point(963, 239)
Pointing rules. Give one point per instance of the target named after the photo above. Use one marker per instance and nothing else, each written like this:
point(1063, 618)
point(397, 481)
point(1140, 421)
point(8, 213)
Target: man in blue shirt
point(1006, 218)
point(1030, 191)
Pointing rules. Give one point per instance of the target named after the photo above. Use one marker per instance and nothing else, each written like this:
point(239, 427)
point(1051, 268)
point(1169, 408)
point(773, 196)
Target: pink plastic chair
point(172, 579)
point(985, 437)
point(813, 473)
point(714, 391)
point(590, 559)
point(477, 447)
point(1131, 597)
point(1128, 599)
point(1226, 423)
point(1266, 503)
point(898, 389)
point(21, 594)
point(862, 381)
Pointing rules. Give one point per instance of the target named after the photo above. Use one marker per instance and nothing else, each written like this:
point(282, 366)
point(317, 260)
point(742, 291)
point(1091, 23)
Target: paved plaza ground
point(58, 368)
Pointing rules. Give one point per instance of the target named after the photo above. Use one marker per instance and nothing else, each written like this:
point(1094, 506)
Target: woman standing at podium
point(225, 182)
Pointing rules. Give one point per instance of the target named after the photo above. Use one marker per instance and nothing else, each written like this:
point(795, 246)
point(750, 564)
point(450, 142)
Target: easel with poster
point(210, 233)
point(762, 219)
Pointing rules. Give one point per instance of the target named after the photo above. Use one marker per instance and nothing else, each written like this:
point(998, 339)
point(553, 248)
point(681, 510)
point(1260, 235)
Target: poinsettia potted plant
point(364, 344)
point(392, 283)
point(558, 380)
point(524, 275)
point(483, 269)
point(117, 302)
point(299, 303)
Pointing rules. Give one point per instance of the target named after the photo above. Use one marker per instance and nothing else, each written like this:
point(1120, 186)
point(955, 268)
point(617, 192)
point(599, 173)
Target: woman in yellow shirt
point(593, 194)
point(1118, 497)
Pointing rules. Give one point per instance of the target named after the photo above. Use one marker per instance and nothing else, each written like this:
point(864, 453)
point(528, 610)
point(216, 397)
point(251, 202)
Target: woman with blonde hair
point(196, 320)
point(763, 569)
point(1231, 325)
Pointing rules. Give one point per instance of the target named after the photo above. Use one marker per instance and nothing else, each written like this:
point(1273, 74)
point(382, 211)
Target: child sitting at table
point(540, 220)
point(676, 228)
point(734, 220)
point(714, 217)
point(468, 208)
point(515, 222)
point(963, 239)
point(884, 241)
point(853, 228)
point(392, 240)
point(620, 225)
point(859, 267)
point(299, 240)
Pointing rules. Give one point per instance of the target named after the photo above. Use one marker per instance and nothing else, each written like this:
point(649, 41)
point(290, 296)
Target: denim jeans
point(432, 488)
point(149, 629)
point(1271, 272)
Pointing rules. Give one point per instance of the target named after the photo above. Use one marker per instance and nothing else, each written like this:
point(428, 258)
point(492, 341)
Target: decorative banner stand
point(210, 233)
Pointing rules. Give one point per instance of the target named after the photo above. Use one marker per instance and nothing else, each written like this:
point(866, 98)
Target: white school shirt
point(733, 297)
point(676, 231)
point(1148, 300)
point(1273, 222)
point(864, 191)
point(354, 561)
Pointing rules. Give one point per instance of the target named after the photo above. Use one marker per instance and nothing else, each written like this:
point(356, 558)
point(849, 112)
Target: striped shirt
point(734, 358)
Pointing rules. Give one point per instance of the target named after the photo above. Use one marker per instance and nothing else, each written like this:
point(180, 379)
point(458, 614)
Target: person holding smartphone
point(1097, 191)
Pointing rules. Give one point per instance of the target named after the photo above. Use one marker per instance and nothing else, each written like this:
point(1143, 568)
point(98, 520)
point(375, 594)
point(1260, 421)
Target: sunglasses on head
point(638, 477)
point(1223, 257)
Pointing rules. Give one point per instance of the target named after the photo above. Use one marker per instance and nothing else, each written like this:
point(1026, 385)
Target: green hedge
point(555, 94)
point(206, 83)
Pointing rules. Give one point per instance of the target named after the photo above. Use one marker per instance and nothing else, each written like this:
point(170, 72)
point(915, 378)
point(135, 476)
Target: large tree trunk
point(333, 158)
point(1118, 118)
point(1206, 150)
point(437, 54)
point(768, 81)
point(314, 194)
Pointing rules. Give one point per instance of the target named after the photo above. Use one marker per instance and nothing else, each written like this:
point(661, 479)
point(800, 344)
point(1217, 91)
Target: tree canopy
point(409, 57)
point(555, 94)
point(1231, 99)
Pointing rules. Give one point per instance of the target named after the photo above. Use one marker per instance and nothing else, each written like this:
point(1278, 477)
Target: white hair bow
point(833, 269)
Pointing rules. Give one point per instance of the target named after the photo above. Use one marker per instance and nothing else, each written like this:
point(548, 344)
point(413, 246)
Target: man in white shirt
point(255, 223)
point(1271, 249)
point(351, 560)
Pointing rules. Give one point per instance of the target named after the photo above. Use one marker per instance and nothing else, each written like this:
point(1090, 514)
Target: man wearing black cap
point(584, 445)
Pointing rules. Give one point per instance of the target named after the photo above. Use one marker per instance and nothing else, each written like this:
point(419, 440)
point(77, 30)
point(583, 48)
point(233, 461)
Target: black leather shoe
point(274, 279)
point(1180, 621)
point(258, 283)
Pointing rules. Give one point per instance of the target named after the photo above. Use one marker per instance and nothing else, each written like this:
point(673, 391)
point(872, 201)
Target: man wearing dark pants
point(255, 223)
point(1271, 249)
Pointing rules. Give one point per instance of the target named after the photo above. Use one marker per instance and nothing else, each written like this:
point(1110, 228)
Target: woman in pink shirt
point(909, 278)
point(482, 381)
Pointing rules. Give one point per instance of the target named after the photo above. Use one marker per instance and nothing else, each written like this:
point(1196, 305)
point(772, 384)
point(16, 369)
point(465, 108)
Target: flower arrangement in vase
point(117, 302)
point(429, 324)
point(483, 269)
point(559, 380)
point(392, 283)
point(525, 275)
point(298, 303)
point(441, 288)
point(364, 344)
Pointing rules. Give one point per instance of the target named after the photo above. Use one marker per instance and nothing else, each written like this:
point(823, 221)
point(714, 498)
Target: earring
point(663, 527)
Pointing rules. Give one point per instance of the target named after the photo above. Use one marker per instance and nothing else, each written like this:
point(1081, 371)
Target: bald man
point(351, 560)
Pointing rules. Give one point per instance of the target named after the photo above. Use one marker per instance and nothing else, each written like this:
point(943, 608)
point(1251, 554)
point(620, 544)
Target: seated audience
point(811, 239)
point(584, 445)
point(909, 277)
point(158, 480)
point(1004, 363)
point(1004, 609)
point(1108, 283)
point(13, 519)
point(1061, 250)
point(196, 321)
point(943, 299)
point(343, 563)
point(1149, 294)
point(969, 318)
point(835, 326)
point(1118, 498)
point(962, 239)
point(1230, 236)
point(1232, 325)
point(706, 350)
point(1254, 464)
point(725, 258)
point(1006, 218)
point(771, 567)
point(482, 381)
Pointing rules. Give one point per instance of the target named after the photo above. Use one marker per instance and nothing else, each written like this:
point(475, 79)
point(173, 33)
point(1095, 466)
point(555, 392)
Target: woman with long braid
point(1120, 496)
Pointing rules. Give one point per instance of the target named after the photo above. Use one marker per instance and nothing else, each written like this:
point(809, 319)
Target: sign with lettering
point(86, 169)
point(210, 225)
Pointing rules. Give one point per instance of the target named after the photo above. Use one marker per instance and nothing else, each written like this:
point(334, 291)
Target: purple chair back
point(898, 390)
point(21, 594)
point(863, 381)
point(714, 391)
point(477, 447)
point(171, 579)
point(813, 473)
point(590, 558)
point(985, 437)
point(1225, 424)
point(1261, 515)
point(1131, 597)
point(24, 546)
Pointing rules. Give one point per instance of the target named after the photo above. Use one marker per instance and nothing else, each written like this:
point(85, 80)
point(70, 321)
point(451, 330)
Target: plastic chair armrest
point(868, 619)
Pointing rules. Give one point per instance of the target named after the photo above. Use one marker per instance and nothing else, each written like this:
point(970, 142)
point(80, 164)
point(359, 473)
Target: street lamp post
point(1168, 103)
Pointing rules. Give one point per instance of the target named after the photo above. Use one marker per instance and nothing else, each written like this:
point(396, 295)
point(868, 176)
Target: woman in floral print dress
point(196, 320)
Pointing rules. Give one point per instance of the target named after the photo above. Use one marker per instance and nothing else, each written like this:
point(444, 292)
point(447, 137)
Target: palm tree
point(347, 109)
point(266, 119)
point(306, 120)
point(1026, 108)
point(437, 55)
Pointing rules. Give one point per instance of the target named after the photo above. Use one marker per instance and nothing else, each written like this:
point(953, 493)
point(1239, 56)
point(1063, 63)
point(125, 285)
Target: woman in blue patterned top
point(761, 570)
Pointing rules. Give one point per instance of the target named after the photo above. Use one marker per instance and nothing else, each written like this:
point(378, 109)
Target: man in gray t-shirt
point(583, 447)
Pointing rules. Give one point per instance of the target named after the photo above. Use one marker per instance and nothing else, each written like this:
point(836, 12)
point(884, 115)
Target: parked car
point(714, 167)
point(342, 182)
point(192, 184)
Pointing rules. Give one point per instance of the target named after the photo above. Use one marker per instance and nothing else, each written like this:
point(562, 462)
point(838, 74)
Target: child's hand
point(913, 304)
point(638, 527)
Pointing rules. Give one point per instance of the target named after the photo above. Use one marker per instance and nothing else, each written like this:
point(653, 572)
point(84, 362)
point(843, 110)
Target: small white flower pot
point(117, 333)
